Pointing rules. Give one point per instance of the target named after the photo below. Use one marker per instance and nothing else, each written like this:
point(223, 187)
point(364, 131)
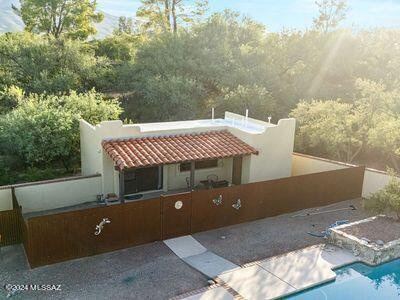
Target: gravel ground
point(153, 272)
point(145, 272)
point(244, 243)
point(382, 228)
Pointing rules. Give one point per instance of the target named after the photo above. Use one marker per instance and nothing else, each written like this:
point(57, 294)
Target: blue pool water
point(358, 282)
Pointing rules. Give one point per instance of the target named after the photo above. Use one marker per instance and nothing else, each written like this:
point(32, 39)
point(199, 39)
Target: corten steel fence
point(10, 227)
point(58, 237)
point(274, 197)
point(10, 224)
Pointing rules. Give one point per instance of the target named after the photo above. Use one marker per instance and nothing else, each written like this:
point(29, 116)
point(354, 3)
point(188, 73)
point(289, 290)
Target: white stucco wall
point(306, 164)
point(5, 199)
point(275, 146)
point(177, 179)
point(57, 194)
point(374, 180)
point(90, 149)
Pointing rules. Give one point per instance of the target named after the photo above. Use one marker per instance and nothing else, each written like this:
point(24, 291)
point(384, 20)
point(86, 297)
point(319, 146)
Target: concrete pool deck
point(280, 276)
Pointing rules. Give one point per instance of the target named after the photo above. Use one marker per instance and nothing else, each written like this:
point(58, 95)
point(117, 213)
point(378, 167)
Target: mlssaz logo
point(12, 288)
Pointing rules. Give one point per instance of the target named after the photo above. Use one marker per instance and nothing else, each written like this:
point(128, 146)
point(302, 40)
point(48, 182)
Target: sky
point(289, 14)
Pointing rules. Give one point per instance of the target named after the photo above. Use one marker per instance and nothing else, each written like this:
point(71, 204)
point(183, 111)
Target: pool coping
point(332, 251)
point(324, 247)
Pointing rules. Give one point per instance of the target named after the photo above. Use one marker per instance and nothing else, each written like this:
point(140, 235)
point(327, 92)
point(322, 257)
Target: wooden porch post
point(237, 170)
point(122, 186)
point(192, 169)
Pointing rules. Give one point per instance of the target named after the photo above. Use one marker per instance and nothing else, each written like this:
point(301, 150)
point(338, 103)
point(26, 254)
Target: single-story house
point(137, 161)
point(142, 183)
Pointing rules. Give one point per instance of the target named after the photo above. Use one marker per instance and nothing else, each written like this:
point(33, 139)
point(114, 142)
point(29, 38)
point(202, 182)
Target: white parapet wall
point(52, 194)
point(5, 199)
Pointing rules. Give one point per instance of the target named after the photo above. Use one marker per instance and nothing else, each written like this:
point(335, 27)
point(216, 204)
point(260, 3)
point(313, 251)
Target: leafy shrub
point(386, 200)
point(44, 130)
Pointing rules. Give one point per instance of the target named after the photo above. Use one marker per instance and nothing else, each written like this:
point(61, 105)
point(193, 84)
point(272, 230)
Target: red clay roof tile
point(152, 151)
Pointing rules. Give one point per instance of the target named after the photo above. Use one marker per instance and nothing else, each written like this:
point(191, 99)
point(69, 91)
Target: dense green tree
point(73, 18)
point(190, 71)
point(344, 130)
point(385, 137)
point(37, 64)
point(125, 26)
point(44, 130)
point(328, 127)
point(256, 99)
point(168, 15)
point(120, 47)
point(378, 57)
point(331, 13)
point(10, 97)
point(386, 200)
point(163, 81)
point(231, 63)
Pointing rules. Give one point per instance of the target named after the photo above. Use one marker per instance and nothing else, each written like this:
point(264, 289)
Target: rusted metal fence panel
point(64, 236)
point(273, 197)
point(176, 215)
point(10, 227)
point(213, 208)
point(58, 237)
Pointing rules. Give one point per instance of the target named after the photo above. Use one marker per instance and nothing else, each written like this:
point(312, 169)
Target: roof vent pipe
point(212, 113)
point(247, 116)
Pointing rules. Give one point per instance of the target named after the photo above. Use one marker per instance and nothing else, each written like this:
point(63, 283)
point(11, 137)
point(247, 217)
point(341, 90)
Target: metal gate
point(176, 215)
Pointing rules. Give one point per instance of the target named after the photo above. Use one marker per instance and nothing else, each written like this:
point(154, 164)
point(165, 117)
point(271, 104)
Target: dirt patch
point(381, 228)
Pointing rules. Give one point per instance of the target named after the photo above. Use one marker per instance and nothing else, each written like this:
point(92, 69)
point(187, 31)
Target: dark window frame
point(131, 183)
point(199, 165)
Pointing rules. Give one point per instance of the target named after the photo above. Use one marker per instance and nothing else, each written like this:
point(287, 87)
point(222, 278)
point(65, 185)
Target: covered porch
point(190, 161)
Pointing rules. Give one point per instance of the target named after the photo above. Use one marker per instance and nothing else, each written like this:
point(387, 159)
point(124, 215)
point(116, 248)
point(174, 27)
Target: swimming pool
point(358, 282)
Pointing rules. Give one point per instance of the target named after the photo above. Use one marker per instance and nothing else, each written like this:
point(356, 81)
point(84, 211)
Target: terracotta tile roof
point(151, 151)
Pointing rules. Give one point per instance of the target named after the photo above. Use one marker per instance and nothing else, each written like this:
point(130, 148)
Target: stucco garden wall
point(306, 164)
point(5, 199)
point(52, 194)
point(374, 180)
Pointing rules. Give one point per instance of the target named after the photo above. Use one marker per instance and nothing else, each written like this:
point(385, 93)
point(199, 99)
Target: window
point(141, 180)
point(203, 164)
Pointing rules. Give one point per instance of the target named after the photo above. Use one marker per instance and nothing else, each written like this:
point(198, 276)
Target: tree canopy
point(169, 15)
point(44, 129)
point(341, 85)
point(331, 13)
point(73, 18)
